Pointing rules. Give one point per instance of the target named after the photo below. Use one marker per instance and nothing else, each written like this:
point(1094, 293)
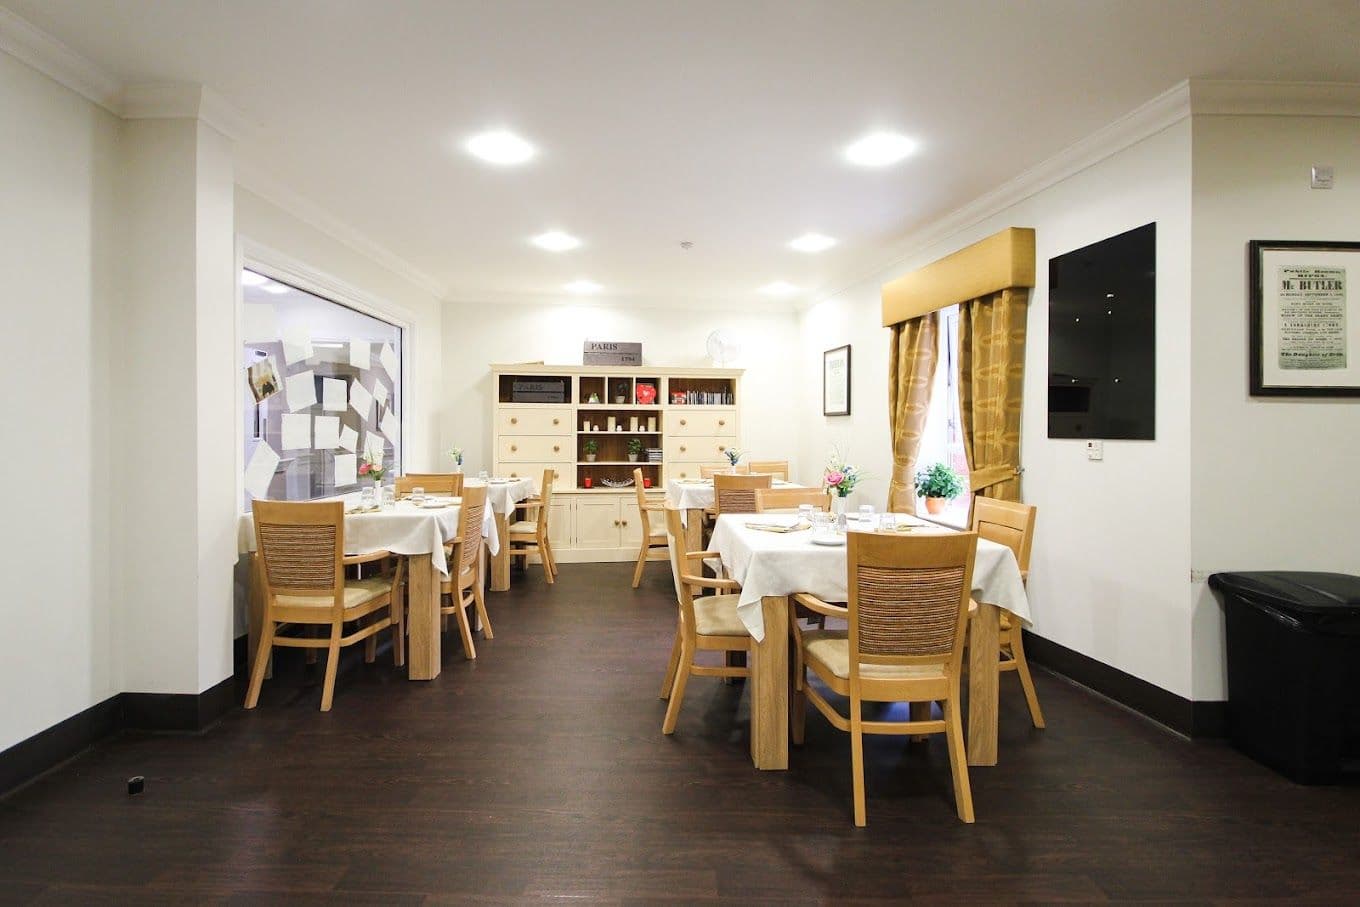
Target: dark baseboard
point(29, 758)
point(1193, 719)
point(47, 749)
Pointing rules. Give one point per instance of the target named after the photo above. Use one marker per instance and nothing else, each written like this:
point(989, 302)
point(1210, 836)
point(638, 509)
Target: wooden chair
point(706, 622)
point(736, 494)
point(708, 472)
point(791, 498)
point(777, 468)
point(463, 586)
point(651, 538)
point(450, 483)
point(908, 616)
point(1011, 524)
point(530, 536)
point(301, 551)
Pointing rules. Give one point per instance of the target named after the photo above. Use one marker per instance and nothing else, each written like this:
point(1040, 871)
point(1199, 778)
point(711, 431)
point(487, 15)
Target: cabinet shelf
point(634, 407)
point(619, 463)
point(624, 432)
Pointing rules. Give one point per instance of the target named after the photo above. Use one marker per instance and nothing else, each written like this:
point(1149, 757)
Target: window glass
point(942, 441)
point(322, 388)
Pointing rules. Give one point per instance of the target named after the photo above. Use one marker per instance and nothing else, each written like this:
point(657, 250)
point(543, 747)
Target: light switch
point(1322, 176)
point(1095, 450)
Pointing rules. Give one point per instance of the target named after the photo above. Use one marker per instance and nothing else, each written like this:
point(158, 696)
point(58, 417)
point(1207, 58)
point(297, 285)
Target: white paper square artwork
point(260, 470)
point(346, 470)
point(349, 439)
point(359, 354)
point(333, 395)
point(360, 400)
point(297, 343)
point(327, 432)
point(301, 390)
point(297, 431)
point(389, 360)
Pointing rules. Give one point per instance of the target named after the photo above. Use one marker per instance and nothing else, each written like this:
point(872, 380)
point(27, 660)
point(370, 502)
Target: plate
point(831, 541)
point(433, 505)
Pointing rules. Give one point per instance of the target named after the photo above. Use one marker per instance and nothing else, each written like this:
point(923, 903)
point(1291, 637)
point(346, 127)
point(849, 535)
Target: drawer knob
point(555, 421)
point(721, 448)
point(616, 522)
point(556, 448)
point(625, 522)
point(722, 421)
point(513, 448)
point(683, 422)
point(682, 448)
point(514, 420)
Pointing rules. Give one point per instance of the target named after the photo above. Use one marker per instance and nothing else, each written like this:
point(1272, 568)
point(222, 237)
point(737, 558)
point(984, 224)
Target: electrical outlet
point(1322, 176)
point(1095, 450)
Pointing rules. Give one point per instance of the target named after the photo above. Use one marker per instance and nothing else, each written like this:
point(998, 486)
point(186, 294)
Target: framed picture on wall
point(1305, 318)
point(836, 381)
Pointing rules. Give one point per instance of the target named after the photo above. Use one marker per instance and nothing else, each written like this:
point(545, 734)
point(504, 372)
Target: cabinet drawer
point(692, 422)
point(534, 448)
point(534, 421)
point(689, 470)
point(698, 449)
point(564, 474)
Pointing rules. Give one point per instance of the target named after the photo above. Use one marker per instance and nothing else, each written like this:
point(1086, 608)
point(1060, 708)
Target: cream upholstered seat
point(831, 648)
point(524, 526)
point(716, 615)
point(357, 592)
point(907, 612)
point(706, 623)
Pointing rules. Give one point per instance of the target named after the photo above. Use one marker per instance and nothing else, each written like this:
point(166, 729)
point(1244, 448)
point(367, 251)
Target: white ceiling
point(715, 121)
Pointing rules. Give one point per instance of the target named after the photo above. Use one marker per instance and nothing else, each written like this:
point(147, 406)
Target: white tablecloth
point(697, 494)
point(402, 528)
point(503, 496)
point(770, 563)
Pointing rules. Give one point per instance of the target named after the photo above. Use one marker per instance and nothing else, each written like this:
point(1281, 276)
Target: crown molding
point(30, 45)
point(1167, 109)
point(182, 100)
point(271, 190)
point(1290, 99)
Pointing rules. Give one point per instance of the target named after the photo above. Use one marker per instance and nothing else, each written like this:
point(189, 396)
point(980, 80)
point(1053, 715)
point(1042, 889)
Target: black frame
point(1256, 374)
point(848, 366)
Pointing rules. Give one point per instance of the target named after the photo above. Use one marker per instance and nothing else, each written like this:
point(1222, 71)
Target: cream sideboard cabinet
point(579, 421)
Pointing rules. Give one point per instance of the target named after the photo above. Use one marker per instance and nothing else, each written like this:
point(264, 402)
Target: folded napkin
point(374, 509)
point(779, 527)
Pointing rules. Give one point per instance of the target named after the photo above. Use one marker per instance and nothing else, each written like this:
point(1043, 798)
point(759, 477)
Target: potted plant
point(733, 456)
point(634, 449)
point(938, 485)
point(591, 448)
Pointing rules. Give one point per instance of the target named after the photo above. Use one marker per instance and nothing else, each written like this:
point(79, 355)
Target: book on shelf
point(708, 398)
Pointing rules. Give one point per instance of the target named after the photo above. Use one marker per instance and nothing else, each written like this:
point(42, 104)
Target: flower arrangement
point(373, 468)
point(456, 455)
point(841, 477)
point(939, 481)
point(733, 455)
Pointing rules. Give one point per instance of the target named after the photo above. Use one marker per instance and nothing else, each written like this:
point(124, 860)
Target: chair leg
point(552, 556)
point(332, 666)
point(464, 627)
point(257, 672)
point(370, 644)
point(797, 712)
point(919, 711)
point(958, 760)
point(671, 666)
point(310, 655)
point(545, 558)
point(1036, 714)
point(677, 691)
point(857, 760)
point(641, 562)
point(399, 633)
point(479, 598)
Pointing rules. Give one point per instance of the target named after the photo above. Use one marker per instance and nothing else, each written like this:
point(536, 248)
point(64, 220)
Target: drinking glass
point(866, 513)
point(821, 522)
point(483, 475)
point(389, 496)
point(805, 512)
point(417, 495)
point(366, 496)
point(888, 522)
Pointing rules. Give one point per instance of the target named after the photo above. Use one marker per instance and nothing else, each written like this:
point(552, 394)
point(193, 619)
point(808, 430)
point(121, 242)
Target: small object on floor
point(136, 785)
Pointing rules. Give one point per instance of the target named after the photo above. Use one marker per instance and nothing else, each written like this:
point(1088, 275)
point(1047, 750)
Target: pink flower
point(363, 470)
point(834, 478)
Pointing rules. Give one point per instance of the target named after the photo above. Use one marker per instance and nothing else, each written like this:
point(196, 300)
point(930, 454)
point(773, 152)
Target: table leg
point(983, 681)
point(769, 684)
point(500, 563)
point(422, 654)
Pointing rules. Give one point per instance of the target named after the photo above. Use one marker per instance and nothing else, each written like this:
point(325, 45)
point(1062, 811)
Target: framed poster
point(836, 381)
point(1305, 318)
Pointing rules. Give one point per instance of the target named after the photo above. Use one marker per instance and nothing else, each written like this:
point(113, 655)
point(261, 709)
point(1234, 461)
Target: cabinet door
point(597, 521)
point(694, 421)
point(563, 473)
point(534, 421)
point(699, 449)
point(560, 529)
point(631, 520)
point(534, 448)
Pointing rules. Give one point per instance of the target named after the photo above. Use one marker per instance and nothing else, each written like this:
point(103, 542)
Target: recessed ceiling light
point(500, 147)
point(812, 242)
point(879, 149)
point(779, 288)
point(270, 286)
point(582, 287)
point(251, 279)
point(556, 241)
point(1109, 296)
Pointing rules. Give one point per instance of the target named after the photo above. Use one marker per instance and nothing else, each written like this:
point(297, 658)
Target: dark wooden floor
point(539, 774)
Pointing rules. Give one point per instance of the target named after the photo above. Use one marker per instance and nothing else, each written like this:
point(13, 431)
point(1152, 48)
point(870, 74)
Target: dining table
point(417, 532)
point(502, 497)
point(771, 566)
point(693, 497)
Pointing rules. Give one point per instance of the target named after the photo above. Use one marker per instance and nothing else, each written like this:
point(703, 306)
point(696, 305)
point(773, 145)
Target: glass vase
point(838, 505)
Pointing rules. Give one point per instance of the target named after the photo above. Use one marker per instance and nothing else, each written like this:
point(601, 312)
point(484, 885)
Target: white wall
point(266, 224)
point(57, 220)
point(1110, 570)
point(476, 336)
point(1275, 480)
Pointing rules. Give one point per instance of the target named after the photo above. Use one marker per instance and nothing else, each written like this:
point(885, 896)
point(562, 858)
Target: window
point(322, 389)
point(942, 441)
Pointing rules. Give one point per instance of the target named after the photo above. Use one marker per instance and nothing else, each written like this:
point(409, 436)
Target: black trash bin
point(1294, 670)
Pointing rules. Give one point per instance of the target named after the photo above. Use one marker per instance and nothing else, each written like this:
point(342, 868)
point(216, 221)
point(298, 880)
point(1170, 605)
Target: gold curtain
point(911, 374)
point(991, 383)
